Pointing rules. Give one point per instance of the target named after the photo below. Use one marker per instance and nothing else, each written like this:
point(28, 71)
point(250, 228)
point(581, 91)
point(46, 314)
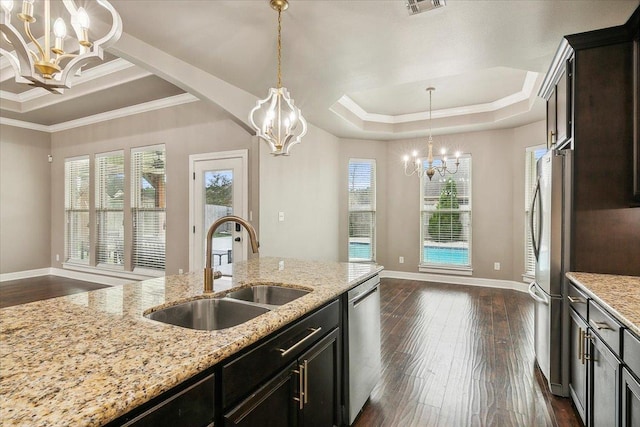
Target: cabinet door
point(272, 405)
point(630, 400)
point(320, 366)
point(578, 363)
point(551, 119)
point(604, 386)
point(563, 107)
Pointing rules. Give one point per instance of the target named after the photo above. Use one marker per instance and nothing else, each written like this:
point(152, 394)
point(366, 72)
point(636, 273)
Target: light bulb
point(59, 28)
point(414, 153)
point(405, 159)
point(292, 117)
point(457, 154)
point(443, 151)
point(7, 5)
point(83, 18)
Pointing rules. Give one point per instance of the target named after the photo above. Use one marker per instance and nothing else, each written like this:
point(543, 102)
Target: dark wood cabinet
point(636, 118)
point(603, 385)
point(578, 372)
point(630, 397)
point(305, 393)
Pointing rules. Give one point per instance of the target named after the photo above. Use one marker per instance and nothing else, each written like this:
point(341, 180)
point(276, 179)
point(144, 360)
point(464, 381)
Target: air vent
point(418, 6)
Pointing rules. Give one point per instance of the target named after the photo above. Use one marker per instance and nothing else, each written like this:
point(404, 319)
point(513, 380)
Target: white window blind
point(446, 218)
point(362, 209)
point(148, 203)
point(531, 158)
point(109, 201)
point(76, 204)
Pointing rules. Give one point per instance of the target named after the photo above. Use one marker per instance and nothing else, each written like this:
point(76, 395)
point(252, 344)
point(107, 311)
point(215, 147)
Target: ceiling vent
point(418, 6)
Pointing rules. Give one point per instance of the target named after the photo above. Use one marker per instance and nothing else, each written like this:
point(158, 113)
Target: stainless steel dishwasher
point(362, 345)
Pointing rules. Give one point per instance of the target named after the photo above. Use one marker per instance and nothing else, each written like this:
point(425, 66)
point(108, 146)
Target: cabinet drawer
point(243, 374)
point(631, 352)
point(578, 300)
point(605, 326)
point(193, 406)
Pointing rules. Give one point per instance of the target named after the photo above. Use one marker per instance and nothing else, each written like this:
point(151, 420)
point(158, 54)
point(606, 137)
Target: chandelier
point(38, 61)
point(276, 119)
point(416, 162)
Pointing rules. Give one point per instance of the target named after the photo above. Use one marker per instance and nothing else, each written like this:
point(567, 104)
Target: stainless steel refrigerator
point(550, 234)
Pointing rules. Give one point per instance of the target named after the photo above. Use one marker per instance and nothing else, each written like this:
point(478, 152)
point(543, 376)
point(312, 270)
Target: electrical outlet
point(496, 266)
point(281, 216)
point(57, 257)
point(401, 260)
point(180, 271)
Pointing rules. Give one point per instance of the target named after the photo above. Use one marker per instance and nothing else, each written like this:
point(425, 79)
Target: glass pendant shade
point(278, 121)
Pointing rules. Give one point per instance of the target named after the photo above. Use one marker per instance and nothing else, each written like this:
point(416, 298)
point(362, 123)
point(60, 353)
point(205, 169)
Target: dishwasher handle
point(360, 298)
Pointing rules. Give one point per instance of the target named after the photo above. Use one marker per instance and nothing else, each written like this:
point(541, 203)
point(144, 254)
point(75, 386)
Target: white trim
point(455, 280)
point(5, 277)
point(69, 274)
point(158, 104)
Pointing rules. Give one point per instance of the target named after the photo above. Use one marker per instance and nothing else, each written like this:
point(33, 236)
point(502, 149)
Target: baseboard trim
point(455, 280)
point(69, 274)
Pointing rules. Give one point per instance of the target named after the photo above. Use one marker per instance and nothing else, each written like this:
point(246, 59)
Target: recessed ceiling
point(357, 69)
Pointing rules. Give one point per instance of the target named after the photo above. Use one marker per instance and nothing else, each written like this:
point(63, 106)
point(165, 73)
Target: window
point(531, 158)
point(148, 203)
point(76, 205)
point(362, 210)
point(446, 219)
point(110, 208)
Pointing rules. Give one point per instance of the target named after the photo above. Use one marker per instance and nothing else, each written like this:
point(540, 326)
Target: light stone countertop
point(620, 295)
point(89, 358)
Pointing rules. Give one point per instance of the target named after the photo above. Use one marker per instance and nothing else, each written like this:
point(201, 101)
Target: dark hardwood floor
point(21, 291)
point(456, 356)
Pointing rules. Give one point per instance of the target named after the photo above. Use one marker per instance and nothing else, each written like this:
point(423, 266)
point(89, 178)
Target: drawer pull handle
point(581, 345)
point(599, 325)
point(576, 300)
point(296, 345)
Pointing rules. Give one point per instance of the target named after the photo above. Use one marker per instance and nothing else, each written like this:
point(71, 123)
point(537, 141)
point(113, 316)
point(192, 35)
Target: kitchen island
point(87, 359)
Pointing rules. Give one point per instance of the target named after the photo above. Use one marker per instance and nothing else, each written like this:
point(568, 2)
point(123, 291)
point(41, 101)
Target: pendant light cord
point(279, 47)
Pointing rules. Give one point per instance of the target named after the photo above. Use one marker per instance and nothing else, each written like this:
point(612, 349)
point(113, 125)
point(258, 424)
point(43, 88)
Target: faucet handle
point(217, 274)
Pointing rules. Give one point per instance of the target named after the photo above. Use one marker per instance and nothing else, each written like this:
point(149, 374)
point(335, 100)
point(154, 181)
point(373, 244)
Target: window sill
point(459, 271)
point(138, 274)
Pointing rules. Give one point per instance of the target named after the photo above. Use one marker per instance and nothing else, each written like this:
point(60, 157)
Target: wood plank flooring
point(459, 356)
point(22, 291)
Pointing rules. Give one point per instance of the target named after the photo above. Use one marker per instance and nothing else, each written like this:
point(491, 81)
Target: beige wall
point(186, 129)
point(497, 205)
point(25, 219)
point(305, 187)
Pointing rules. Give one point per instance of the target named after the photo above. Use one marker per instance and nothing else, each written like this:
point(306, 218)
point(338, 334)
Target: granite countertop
point(620, 295)
point(89, 358)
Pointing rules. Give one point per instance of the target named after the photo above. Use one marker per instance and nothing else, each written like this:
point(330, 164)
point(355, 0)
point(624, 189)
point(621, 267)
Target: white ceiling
point(356, 68)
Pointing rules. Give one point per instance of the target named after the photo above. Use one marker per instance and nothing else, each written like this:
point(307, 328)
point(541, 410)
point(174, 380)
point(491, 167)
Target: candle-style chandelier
point(276, 119)
point(38, 62)
point(417, 166)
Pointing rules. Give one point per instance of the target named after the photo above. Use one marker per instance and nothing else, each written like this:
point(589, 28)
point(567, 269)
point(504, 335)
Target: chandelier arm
point(27, 30)
point(64, 56)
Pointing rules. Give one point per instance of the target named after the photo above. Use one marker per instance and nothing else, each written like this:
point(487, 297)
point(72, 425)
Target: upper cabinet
point(557, 90)
point(636, 118)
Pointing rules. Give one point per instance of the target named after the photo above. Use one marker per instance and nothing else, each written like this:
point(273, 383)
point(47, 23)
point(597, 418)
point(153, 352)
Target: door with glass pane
point(219, 189)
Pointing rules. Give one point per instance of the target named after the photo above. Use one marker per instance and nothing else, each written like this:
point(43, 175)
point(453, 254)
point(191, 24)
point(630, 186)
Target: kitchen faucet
point(208, 270)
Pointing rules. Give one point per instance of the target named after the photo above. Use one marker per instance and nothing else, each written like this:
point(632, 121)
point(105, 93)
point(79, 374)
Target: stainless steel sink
point(207, 314)
point(267, 294)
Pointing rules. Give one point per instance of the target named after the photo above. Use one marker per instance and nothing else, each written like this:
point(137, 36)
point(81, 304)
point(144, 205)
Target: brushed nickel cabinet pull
point(599, 325)
point(581, 345)
point(306, 382)
point(300, 399)
point(296, 345)
point(576, 300)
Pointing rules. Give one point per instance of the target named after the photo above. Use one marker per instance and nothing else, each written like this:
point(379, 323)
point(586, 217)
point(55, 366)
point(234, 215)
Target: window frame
point(135, 198)
point(70, 209)
point(372, 210)
point(99, 209)
point(434, 267)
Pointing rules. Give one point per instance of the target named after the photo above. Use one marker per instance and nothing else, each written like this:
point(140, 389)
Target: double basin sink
point(234, 308)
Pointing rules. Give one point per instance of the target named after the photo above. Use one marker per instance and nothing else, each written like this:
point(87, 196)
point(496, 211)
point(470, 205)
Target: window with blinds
point(109, 203)
point(531, 158)
point(446, 218)
point(362, 209)
point(76, 205)
point(148, 203)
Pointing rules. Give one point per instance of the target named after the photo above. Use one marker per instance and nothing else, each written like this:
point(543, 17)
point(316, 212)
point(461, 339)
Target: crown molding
point(172, 101)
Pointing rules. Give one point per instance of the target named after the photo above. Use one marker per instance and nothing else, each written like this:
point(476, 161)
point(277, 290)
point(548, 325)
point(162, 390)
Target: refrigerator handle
point(536, 194)
point(535, 295)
